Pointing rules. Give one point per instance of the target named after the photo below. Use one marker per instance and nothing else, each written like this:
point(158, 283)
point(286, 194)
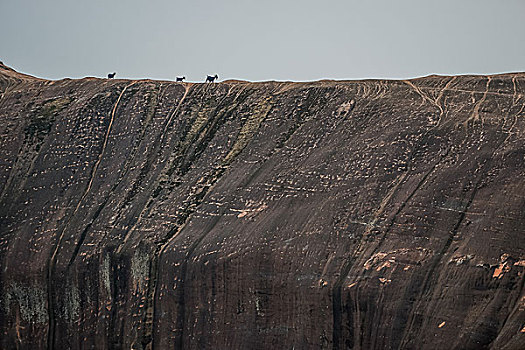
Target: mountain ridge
point(346, 214)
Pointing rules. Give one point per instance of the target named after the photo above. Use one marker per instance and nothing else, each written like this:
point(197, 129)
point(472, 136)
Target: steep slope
point(331, 214)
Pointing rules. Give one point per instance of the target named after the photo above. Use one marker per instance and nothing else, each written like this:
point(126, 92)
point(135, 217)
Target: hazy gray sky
point(262, 40)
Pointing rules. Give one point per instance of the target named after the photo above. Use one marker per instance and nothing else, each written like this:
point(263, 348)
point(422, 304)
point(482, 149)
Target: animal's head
point(216, 76)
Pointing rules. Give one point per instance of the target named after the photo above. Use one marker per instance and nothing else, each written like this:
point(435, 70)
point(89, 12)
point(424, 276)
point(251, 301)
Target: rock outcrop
point(333, 214)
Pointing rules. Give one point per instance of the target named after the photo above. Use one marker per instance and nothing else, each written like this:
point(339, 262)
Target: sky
point(262, 40)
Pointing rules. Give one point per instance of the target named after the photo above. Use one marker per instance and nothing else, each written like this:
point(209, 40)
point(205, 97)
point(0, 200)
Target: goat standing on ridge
point(111, 75)
point(211, 79)
point(179, 79)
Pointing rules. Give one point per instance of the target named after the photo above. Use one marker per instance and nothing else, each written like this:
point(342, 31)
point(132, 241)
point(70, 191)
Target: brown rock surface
point(331, 214)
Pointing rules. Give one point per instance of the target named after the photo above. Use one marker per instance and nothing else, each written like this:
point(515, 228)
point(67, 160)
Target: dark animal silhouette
point(111, 75)
point(180, 78)
point(211, 79)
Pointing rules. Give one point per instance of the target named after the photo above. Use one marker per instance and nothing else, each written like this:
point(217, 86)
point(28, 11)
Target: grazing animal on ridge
point(211, 79)
point(111, 75)
point(180, 78)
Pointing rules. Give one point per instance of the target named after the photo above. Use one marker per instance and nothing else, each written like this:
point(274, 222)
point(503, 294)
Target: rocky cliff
point(325, 215)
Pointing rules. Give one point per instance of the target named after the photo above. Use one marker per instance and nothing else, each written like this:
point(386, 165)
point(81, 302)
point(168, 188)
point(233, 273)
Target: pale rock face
point(365, 215)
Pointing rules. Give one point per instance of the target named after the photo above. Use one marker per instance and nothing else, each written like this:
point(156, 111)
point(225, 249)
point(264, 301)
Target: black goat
point(211, 79)
point(180, 78)
point(111, 75)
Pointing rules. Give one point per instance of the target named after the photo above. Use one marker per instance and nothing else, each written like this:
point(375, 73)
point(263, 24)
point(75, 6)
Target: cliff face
point(364, 215)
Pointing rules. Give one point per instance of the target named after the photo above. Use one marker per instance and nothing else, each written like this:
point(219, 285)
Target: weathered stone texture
point(331, 214)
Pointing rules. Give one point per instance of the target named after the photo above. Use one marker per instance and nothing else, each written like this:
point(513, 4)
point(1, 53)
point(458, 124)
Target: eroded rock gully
point(332, 214)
